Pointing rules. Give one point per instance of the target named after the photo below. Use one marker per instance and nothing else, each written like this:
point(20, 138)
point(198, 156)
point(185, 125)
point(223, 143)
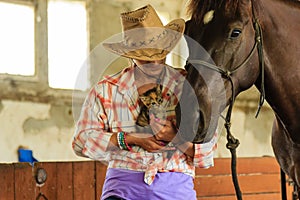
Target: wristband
point(126, 144)
point(121, 138)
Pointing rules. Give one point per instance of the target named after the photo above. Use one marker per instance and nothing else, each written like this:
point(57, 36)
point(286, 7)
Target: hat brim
point(154, 48)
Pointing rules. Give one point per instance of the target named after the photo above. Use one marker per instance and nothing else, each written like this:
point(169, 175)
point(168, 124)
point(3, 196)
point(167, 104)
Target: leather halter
point(228, 73)
point(233, 143)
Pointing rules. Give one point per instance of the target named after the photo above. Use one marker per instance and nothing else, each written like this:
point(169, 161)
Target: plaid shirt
point(113, 106)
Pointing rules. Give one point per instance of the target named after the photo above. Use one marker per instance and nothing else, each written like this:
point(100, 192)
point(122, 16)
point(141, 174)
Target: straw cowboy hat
point(145, 37)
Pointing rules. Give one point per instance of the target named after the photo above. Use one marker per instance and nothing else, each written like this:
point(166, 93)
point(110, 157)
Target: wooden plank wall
point(259, 178)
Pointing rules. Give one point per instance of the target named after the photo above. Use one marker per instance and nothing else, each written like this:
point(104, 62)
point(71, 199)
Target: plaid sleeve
point(204, 153)
point(90, 138)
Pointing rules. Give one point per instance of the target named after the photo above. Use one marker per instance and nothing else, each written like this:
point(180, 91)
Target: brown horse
point(251, 42)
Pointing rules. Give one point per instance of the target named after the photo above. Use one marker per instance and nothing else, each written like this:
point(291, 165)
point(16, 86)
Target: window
point(17, 39)
point(44, 45)
point(67, 44)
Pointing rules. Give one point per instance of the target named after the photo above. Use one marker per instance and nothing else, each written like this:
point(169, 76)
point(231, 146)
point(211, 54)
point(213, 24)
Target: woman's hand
point(165, 130)
point(146, 141)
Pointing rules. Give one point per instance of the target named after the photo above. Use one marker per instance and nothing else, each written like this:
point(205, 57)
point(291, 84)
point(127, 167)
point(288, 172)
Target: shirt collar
point(123, 79)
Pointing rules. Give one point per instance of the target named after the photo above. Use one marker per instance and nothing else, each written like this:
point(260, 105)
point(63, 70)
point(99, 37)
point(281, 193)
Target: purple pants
point(130, 185)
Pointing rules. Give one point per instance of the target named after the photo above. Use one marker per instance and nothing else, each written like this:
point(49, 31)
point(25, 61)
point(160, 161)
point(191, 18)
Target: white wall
point(46, 130)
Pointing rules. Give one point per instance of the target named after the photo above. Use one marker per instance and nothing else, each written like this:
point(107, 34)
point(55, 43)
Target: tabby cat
point(152, 97)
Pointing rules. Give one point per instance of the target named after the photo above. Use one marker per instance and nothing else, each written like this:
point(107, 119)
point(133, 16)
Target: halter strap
point(259, 39)
point(228, 73)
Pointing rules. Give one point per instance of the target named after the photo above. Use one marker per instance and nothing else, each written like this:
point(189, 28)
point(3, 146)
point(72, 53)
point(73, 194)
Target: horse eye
point(235, 33)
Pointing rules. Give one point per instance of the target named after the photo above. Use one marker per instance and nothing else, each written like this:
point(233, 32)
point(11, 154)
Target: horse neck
point(280, 22)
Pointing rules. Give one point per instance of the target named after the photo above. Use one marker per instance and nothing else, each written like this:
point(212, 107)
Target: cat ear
point(158, 89)
point(146, 100)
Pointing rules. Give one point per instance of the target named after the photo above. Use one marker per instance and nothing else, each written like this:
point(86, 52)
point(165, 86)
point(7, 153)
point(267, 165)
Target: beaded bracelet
point(119, 141)
point(126, 144)
point(121, 137)
point(122, 141)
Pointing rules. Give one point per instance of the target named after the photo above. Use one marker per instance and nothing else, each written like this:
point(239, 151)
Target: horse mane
point(196, 9)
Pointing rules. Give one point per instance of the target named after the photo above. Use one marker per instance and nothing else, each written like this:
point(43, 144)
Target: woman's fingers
point(153, 145)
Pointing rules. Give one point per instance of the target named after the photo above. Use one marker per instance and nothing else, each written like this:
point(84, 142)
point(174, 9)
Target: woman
point(128, 118)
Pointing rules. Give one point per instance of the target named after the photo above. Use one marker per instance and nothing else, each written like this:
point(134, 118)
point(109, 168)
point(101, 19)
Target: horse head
point(226, 31)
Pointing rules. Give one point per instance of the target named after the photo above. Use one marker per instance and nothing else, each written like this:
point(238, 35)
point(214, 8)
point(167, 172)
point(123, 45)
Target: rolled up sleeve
point(204, 153)
point(90, 138)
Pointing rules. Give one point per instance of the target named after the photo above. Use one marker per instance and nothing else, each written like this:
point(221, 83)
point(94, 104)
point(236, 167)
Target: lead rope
point(232, 142)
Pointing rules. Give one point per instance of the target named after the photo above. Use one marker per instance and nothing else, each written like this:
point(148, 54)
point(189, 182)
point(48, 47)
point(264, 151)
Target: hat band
point(143, 39)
